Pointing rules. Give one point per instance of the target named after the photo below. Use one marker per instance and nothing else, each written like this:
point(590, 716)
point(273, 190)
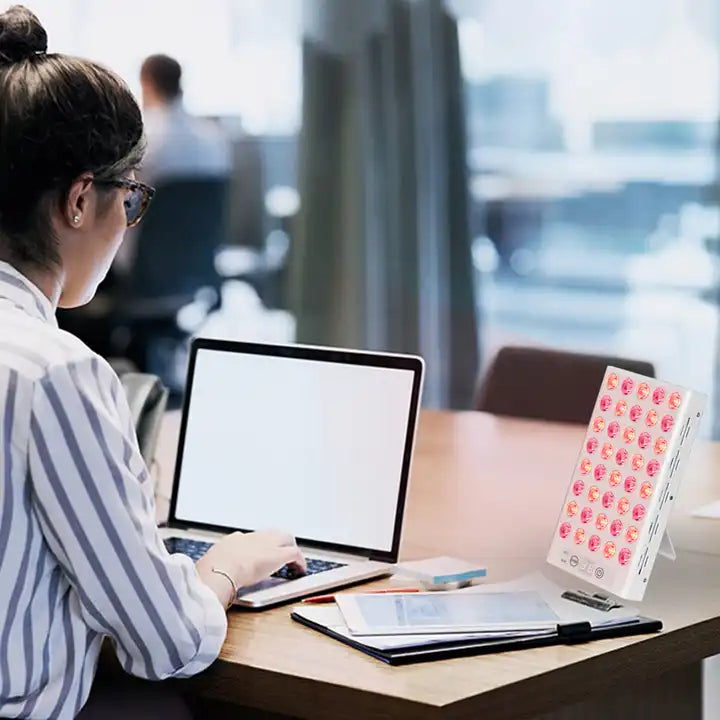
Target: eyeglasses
point(137, 198)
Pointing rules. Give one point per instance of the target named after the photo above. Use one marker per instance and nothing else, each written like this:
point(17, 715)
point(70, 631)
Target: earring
point(76, 219)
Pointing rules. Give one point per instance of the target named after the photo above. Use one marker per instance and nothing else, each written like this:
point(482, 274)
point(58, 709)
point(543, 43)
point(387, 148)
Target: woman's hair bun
point(21, 35)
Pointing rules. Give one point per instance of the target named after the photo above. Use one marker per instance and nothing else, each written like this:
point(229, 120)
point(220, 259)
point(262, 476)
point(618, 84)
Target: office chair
point(174, 262)
point(547, 384)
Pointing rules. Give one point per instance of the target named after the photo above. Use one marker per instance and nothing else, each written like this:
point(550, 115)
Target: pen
point(331, 598)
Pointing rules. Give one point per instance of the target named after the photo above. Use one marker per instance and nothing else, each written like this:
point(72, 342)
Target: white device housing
point(616, 446)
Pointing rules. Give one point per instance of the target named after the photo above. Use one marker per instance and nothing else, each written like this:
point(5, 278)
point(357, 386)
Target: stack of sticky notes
point(441, 573)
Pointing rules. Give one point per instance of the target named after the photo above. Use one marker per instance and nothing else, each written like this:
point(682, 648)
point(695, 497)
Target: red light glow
point(628, 434)
point(623, 505)
point(612, 381)
point(601, 521)
point(620, 408)
point(637, 462)
point(660, 446)
point(646, 490)
point(674, 400)
point(586, 515)
point(624, 556)
point(630, 484)
point(609, 549)
point(598, 424)
point(650, 418)
point(606, 451)
point(593, 493)
point(658, 395)
point(578, 487)
point(608, 499)
point(613, 429)
point(585, 466)
point(593, 543)
point(632, 534)
point(605, 402)
point(667, 422)
point(653, 468)
point(627, 386)
point(579, 536)
point(565, 529)
point(635, 413)
point(571, 508)
point(638, 513)
point(614, 478)
point(643, 390)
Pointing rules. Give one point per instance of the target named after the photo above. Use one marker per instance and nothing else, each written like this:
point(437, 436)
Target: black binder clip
point(575, 632)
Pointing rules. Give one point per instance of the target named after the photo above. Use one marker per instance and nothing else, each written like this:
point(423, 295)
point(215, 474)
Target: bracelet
point(232, 582)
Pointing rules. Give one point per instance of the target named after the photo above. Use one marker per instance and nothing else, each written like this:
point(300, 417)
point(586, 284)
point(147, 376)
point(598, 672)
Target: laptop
point(316, 442)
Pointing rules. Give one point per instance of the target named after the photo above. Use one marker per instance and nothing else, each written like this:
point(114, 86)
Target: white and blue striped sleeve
point(93, 498)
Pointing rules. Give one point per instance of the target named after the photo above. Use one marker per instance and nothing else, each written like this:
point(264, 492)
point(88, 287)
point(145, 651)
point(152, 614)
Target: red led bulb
point(621, 456)
point(571, 508)
point(565, 529)
point(646, 490)
point(653, 468)
point(593, 543)
point(598, 424)
point(658, 395)
point(643, 390)
point(579, 536)
point(586, 515)
point(638, 513)
point(585, 466)
point(601, 521)
point(605, 402)
point(578, 487)
point(650, 418)
point(600, 471)
point(632, 534)
point(674, 400)
point(628, 434)
point(637, 462)
point(630, 483)
point(635, 413)
point(608, 499)
point(660, 446)
point(627, 386)
point(620, 408)
point(613, 429)
point(593, 493)
point(667, 422)
point(616, 527)
point(623, 505)
point(609, 549)
point(644, 440)
point(612, 381)
point(624, 556)
point(606, 452)
point(614, 478)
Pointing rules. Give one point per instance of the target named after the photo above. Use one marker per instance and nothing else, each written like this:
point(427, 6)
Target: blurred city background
point(584, 211)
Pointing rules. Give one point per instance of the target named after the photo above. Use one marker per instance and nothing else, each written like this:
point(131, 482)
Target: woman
point(80, 556)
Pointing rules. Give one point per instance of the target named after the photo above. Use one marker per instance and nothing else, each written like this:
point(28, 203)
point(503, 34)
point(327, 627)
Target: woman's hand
point(247, 558)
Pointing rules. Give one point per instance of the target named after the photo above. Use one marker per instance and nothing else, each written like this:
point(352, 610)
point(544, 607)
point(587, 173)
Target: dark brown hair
point(60, 116)
point(164, 73)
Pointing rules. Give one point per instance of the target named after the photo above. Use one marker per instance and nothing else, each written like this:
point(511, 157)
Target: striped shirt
point(81, 558)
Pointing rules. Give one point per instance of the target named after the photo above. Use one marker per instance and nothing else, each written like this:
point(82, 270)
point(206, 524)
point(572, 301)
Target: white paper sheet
point(711, 511)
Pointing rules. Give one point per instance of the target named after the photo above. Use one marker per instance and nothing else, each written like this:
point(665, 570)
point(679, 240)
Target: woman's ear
point(77, 201)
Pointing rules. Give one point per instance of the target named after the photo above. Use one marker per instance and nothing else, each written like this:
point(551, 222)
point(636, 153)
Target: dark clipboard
point(566, 635)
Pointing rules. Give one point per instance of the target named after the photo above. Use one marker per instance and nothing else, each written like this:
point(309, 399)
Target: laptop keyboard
point(195, 549)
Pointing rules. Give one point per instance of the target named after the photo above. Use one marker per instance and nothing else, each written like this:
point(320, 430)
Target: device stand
point(667, 549)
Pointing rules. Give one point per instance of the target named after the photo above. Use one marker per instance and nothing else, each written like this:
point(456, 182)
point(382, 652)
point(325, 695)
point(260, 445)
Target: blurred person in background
point(179, 145)
point(81, 558)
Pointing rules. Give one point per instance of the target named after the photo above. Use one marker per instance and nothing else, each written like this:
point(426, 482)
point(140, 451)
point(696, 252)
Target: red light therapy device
point(613, 519)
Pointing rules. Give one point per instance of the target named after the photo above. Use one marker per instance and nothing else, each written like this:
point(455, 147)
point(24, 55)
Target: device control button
point(599, 573)
point(574, 560)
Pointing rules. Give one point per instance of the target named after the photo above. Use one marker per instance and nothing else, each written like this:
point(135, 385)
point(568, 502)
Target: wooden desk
point(489, 490)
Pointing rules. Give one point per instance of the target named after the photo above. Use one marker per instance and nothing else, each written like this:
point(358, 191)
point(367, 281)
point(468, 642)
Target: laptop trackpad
point(263, 585)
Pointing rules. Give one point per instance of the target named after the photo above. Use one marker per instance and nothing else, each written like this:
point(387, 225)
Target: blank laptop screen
point(310, 447)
